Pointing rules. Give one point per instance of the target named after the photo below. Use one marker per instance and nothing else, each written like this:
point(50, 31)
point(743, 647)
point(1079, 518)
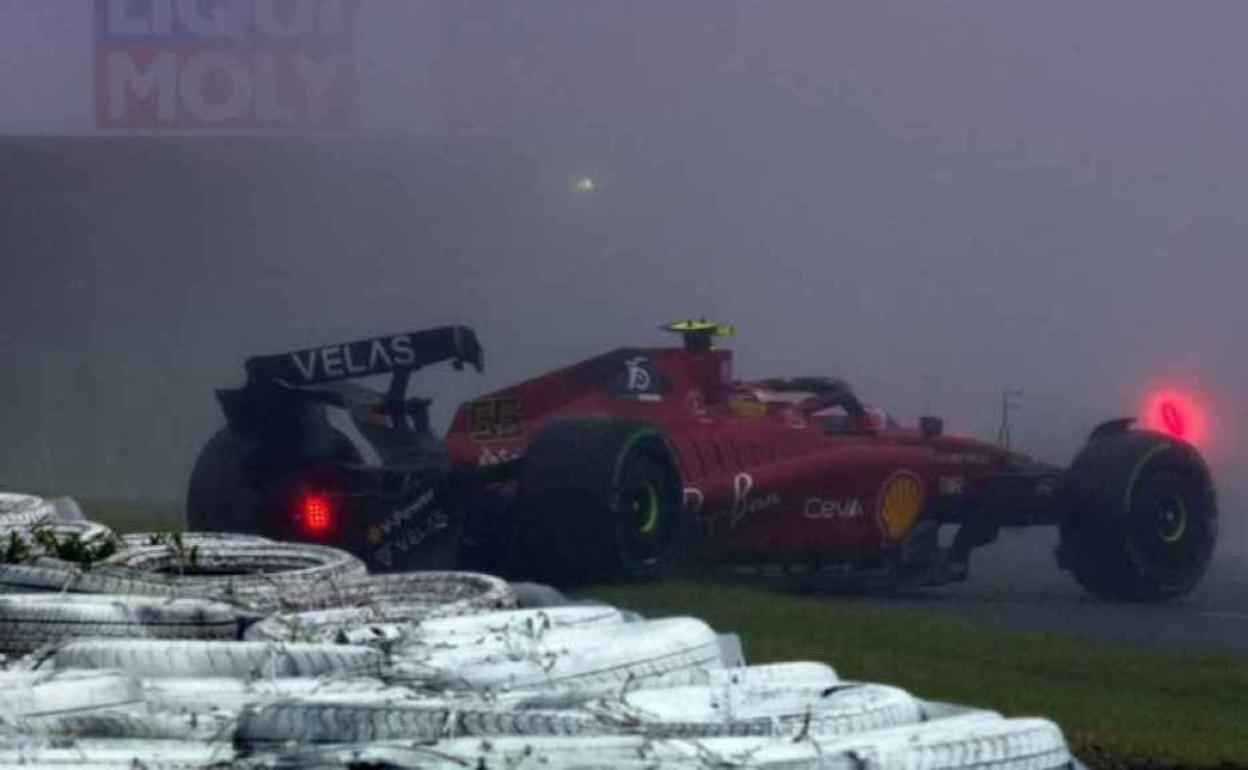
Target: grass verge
point(130, 516)
point(119, 514)
point(1119, 707)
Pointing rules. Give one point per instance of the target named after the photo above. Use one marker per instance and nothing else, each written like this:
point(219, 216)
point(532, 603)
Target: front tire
point(598, 500)
point(1139, 517)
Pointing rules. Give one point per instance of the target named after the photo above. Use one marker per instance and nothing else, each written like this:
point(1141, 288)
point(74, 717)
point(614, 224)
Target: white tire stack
point(258, 575)
point(364, 607)
point(29, 621)
point(214, 650)
point(155, 659)
point(592, 660)
point(33, 695)
point(20, 512)
point(983, 740)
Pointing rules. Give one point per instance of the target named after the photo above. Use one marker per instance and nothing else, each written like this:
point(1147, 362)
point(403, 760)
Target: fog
point(936, 201)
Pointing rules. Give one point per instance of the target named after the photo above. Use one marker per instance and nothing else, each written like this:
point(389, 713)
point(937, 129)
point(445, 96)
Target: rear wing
point(285, 396)
point(394, 354)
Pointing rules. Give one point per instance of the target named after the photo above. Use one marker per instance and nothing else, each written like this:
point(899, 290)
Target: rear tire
point(599, 500)
point(1139, 517)
point(226, 495)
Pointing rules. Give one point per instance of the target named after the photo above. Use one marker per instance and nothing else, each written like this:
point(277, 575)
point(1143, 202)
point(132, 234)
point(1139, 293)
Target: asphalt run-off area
point(1015, 583)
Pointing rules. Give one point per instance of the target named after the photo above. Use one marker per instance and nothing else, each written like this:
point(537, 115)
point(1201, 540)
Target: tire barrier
point(35, 695)
point(23, 511)
point(226, 695)
point(527, 622)
point(589, 660)
point(55, 575)
point(158, 658)
point(106, 754)
point(702, 711)
point(141, 539)
point(261, 576)
point(29, 621)
point(207, 650)
point(445, 593)
point(410, 600)
point(82, 530)
point(982, 740)
point(132, 723)
point(348, 721)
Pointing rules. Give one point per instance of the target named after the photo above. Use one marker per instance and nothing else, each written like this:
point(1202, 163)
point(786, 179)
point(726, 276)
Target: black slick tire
point(1139, 517)
point(599, 500)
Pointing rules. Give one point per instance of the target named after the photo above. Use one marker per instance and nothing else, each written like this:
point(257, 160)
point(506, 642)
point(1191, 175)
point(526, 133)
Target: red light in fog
point(1172, 419)
point(315, 513)
point(1176, 414)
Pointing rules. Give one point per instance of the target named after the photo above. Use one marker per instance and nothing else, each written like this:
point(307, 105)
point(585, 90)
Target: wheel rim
point(1172, 519)
point(644, 504)
point(645, 529)
point(1169, 534)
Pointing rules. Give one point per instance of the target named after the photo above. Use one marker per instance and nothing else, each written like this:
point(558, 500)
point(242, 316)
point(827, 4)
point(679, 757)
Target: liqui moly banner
point(217, 66)
point(226, 64)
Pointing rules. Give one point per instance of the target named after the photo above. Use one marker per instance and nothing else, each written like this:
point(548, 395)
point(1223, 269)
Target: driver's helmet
point(879, 418)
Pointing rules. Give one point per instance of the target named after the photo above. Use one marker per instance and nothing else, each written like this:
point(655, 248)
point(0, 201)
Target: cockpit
point(826, 401)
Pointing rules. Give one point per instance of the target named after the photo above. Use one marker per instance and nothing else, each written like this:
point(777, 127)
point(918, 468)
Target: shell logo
point(748, 408)
point(899, 505)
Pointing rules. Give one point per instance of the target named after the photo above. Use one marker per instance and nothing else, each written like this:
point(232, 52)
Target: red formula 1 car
point(611, 467)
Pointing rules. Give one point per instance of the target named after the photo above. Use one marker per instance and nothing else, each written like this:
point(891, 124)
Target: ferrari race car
point(609, 468)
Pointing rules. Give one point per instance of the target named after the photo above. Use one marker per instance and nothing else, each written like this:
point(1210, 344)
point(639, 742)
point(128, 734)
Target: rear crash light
point(1172, 419)
point(1177, 414)
point(316, 513)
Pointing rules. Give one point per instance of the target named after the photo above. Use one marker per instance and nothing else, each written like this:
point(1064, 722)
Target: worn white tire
point(703, 711)
point(144, 539)
point(801, 673)
point(446, 593)
point(130, 723)
point(978, 742)
point(413, 628)
point(982, 741)
point(101, 754)
point(28, 621)
point(382, 622)
point(39, 694)
point(228, 695)
point(337, 625)
point(339, 720)
point(85, 530)
point(46, 574)
point(589, 661)
point(792, 672)
point(160, 658)
point(24, 511)
point(523, 622)
point(263, 576)
point(515, 752)
point(335, 609)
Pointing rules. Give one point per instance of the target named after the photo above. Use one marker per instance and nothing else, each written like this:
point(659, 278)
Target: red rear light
point(1176, 414)
point(1172, 419)
point(316, 514)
